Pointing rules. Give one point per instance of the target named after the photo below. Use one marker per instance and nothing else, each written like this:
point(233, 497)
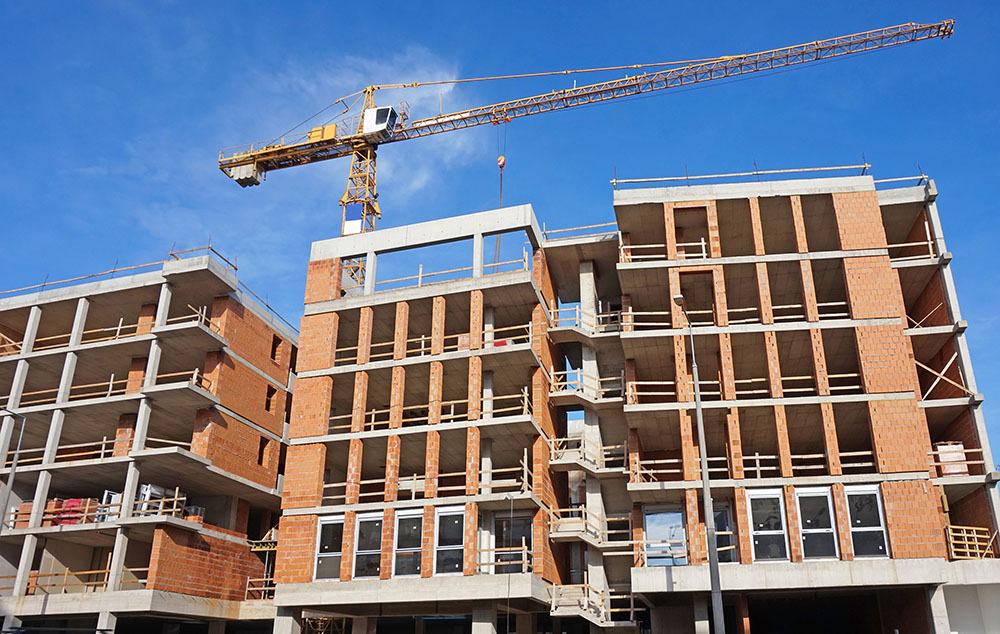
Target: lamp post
point(13, 467)
point(718, 618)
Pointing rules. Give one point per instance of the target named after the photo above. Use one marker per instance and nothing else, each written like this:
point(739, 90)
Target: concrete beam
point(724, 191)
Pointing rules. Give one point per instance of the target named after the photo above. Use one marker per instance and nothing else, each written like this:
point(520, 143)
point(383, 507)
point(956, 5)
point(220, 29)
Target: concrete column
point(477, 255)
point(362, 625)
point(701, 615)
point(216, 627)
point(55, 431)
point(370, 259)
point(66, 380)
point(937, 234)
point(484, 619)
point(288, 621)
point(488, 394)
point(526, 624)
point(939, 611)
point(153, 363)
point(79, 321)
point(31, 329)
point(117, 567)
point(142, 425)
point(486, 458)
point(24, 565)
point(588, 288)
point(13, 400)
point(163, 305)
point(11, 622)
point(489, 323)
point(41, 495)
point(108, 621)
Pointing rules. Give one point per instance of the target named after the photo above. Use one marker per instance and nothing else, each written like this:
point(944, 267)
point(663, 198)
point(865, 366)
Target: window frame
point(817, 492)
point(734, 553)
point(324, 520)
point(868, 489)
point(753, 494)
point(447, 511)
point(405, 515)
point(650, 509)
point(367, 517)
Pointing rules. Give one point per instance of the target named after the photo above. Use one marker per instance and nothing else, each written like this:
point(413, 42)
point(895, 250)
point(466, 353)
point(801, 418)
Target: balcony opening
point(691, 233)
point(412, 467)
point(750, 366)
point(12, 328)
point(841, 351)
point(927, 307)
point(854, 438)
point(956, 448)
point(785, 282)
point(831, 290)
point(709, 366)
point(735, 227)
point(335, 474)
point(806, 439)
point(655, 374)
point(759, 439)
point(742, 293)
point(945, 378)
point(777, 225)
point(373, 459)
point(795, 358)
point(55, 326)
point(821, 222)
point(269, 398)
point(665, 536)
point(508, 251)
point(717, 441)
point(452, 465)
point(661, 458)
point(908, 232)
point(424, 265)
point(699, 294)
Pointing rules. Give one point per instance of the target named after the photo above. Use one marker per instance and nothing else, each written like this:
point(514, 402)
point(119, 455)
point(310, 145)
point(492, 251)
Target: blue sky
point(113, 115)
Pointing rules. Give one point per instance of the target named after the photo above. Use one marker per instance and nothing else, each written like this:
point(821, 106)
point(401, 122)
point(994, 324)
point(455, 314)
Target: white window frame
point(323, 520)
point(402, 515)
point(768, 493)
point(817, 492)
point(366, 517)
point(444, 511)
point(868, 489)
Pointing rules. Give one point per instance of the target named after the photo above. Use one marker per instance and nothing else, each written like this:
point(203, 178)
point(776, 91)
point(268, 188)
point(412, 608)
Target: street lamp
point(718, 618)
point(13, 467)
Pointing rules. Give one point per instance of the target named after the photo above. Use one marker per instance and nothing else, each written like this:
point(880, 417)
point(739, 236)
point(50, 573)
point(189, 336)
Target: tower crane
point(359, 136)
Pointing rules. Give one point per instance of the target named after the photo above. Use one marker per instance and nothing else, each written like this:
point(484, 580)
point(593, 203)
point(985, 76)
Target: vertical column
point(784, 447)
point(397, 395)
point(437, 325)
point(831, 445)
point(741, 509)
point(392, 451)
point(473, 434)
point(670, 232)
point(427, 542)
point(773, 364)
point(728, 373)
point(712, 220)
point(370, 260)
point(365, 318)
point(55, 431)
point(402, 330)
point(634, 455)
point(721, 303)
point(798, 221)
point(163, 305)
point(132, 473)
point(486, 460)
point(477, 255)
point(764, 294)
point(809, 305)
point(756, 226)
point(347, 551)
point(470, 546)
point(701, 615)
point(354, 458)
point(734, 443)
point(79, 321)
point(689, 451)
point(20, 377)
point(136, 375)
point(697, 545)
point(476, 320)
point(147, 319)
point(842, 520)
point(484, 619)
point(638, 535)
point(388, 540)
point(794, 527)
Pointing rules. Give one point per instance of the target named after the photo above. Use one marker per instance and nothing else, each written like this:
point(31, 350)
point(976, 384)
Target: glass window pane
point(408, 563)
point(818, 545)
point(766, 514)
point(370, 535)
point(864, 510)
point(868, 543)
point(769, 547)
point(328, 567)
point(408, 532)
point(367, 565)
point(449, 561)
point(450, 530)
point(722, 525)
point(331, 538)
point(815, 512)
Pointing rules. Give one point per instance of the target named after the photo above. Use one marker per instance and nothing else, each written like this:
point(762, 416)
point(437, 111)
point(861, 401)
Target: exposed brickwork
point(303, 483)
point(831, 444)
point(820, 371)
point(427, 532)
point(200, 565)
point(872, 288)
point(437, 325)
point(726, 373)
point(397, 391)
point(124, 434)
point(296, 553)
point(741, 508)
point(347, 551)
point(470, 541)
point(899, 436)
point(435, 385)
point(388, 537)
point(318, 341)
point(734, 443)
point(886, 359)
point(365, 321)
point(393, 446)
point(801, 243)
point(638, 534)
point(973, 510)
point(946, 363)
point(311, 407)
point(432, 463)
point(234, 446)
point(963, 429)
point(842, 521)
point(794, 525)
point(689, 450)
point(401, 330)
point(323, 280)
point(147, 316)
point(354, 455)
point(475, 320)
point(359, 401)
point(808, 291)
point(473, 439)
point(764, 294)
point(859, 220)
point(697, 545)
point(634, 448)
point(251, 338)
point(773, 364)
point(244, 391)
point(914, 519)
point(931, 307)
point(136, 374)
point(758, 230)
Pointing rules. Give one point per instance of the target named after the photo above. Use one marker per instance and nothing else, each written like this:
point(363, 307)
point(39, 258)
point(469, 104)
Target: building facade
point(148, 464)
point(510, 445)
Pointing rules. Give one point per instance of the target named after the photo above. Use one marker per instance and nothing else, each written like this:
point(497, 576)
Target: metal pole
point(718, 618)
point(13, 468)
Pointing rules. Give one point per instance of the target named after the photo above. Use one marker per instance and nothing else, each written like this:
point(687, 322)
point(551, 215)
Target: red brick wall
point(930, 307)
point(201, 565)
point(963, 429)
point(899, 436)
point(859, 220)
point(872, 288)
point(317, 341)
point(323, 280)
point(914, 519)
point(251, 338)
point(311, 407)
point(296, 554)
point(973, 510)
point(244, 391)
point(885, 359)
point(943, 389)
point(303, 482)
point(233, 446)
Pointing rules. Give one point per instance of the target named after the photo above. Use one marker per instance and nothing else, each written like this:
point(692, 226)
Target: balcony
point(582, 386)
point(98, 450)
point(582, 524)
point(111, 387)
point(574, 317)
point(588, 455)
point(83, 511)
point(971, 542)
point(604, 608)
point(75, 581)
point(421, 346)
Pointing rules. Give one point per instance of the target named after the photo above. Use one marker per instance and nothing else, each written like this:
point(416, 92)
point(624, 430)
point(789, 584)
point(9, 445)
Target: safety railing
point(908, 251)
point(833, 310)
point(575, 317)
point(580, 449)
point(198, 315)
point(579, 598)
point(660, 391)
point(61, 512)
point(505, 560)
point(259, 589)
point(423, 278)
point(672, 469)
point(74, 581)
point(10, 346)
point(111, 387)
point(575, 380)
point(953, 459)
point(98, 450)
point(421, 345)
point(845, 383)
point(788, 312)
point(693, 250)
point(661, 552)
point(195, 377)
point(641, 252)
point(862, 461)
point(803, 385)
point(575, 232)
point(576, 520)
point(807, 464)
point(758, 465)
point(453, 410)
point(971, 542)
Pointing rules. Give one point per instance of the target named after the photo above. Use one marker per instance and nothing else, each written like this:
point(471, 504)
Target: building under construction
point(508, 444)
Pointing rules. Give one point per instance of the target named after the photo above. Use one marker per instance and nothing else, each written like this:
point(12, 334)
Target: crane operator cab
point(379, 124)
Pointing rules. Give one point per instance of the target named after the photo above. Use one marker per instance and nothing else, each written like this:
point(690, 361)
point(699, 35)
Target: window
point(867, 528)
point(330, 544)
point(368, 553)
point(666, 537)
point(262, 450)
point(409, 528)
point(269, 398)
point(275, 347)
point(449, 540)
point(725, 539)
point(767, 525)
point(816, 517)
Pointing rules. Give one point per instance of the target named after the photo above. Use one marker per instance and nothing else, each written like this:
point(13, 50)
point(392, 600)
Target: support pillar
point(940, 623)
point(288, 621)
point(107, 621)
point(701, 615)
point(525, 624)
point(484, 619)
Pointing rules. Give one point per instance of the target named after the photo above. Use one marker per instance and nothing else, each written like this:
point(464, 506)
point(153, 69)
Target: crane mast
point(360, 135)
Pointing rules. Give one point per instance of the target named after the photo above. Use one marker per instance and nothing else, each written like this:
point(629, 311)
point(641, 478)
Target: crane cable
point(501, 163)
